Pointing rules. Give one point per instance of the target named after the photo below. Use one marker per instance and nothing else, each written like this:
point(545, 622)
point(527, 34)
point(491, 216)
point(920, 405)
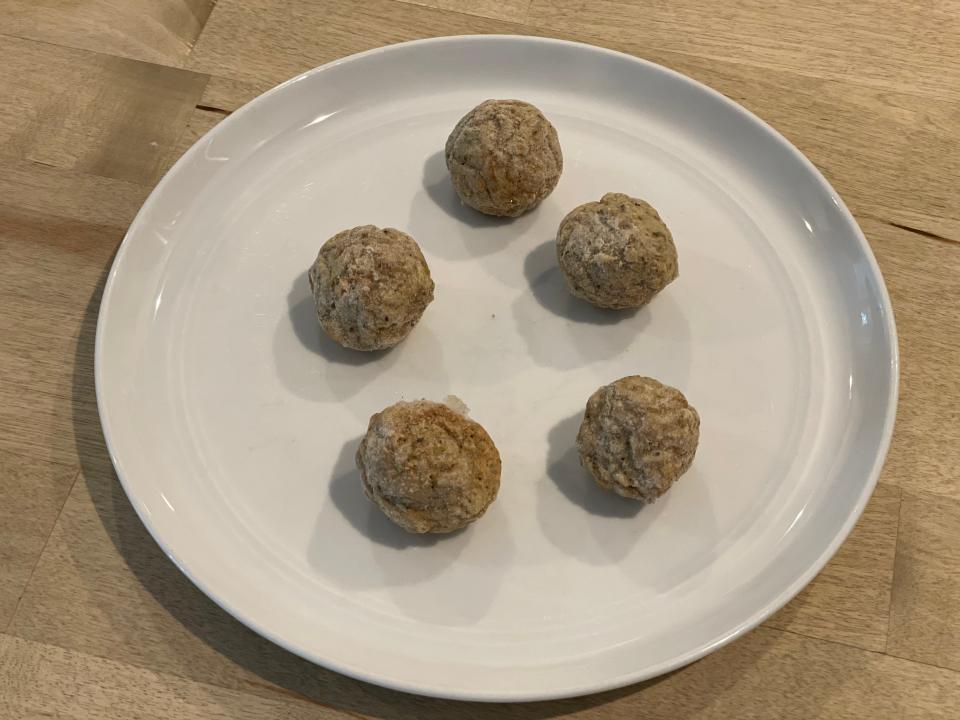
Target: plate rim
point(524, 695)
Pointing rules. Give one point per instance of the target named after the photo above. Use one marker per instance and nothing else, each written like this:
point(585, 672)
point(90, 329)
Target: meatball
point(429, 468)
point(504, 157)
point(370, 287)
point(637, 437)
point(616, 253)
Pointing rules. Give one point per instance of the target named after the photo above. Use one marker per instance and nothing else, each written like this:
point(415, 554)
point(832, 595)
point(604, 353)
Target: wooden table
point(97, 98)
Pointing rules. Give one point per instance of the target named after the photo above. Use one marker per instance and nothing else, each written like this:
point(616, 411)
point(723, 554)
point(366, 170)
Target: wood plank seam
point(922, 233)
point(152, 52)
point(73, 48)
point(590, 38)
point(211, 108)
point(176, 143)
point(521, 20)
point(906, 228)
point(36, 562)
point(172, 680)
point(861, 649)
point(893, 578)
point(280, 691)
point(61, 46)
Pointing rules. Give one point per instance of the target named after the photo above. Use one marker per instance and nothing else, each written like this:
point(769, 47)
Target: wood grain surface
point(99, 98)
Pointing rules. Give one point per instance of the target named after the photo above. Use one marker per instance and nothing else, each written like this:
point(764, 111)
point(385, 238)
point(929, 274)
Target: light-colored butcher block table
point(98, 98)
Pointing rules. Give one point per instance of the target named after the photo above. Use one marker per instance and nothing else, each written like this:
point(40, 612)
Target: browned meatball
point(504, 157)
point(616, 253)
point(429, 468)
point(370, 287)
point(637, 437)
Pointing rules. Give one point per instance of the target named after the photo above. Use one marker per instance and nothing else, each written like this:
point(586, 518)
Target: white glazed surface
point(233, 422)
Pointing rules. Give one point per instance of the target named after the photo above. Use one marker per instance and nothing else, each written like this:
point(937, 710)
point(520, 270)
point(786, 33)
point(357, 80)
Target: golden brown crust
point(429, 468)
point(638, 437)
point(504, 157)
point(370, 286)
point(616, 253)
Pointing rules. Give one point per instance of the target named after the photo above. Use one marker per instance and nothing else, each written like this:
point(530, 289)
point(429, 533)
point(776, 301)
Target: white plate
point(233, 424)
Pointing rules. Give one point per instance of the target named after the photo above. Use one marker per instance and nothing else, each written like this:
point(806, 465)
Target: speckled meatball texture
point(429, 468)
point(504, 157)
point(616, 253)
point(370, 287)
point(637, 437)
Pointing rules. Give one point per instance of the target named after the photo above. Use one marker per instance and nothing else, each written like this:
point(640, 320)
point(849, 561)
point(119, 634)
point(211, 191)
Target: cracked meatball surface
point(370, 287)
point(428, 468)
point(638, 436)
point(504, 157)
point(616, 253)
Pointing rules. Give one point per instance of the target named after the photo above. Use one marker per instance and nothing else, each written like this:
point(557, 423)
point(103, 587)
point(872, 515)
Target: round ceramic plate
point(233, 421)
